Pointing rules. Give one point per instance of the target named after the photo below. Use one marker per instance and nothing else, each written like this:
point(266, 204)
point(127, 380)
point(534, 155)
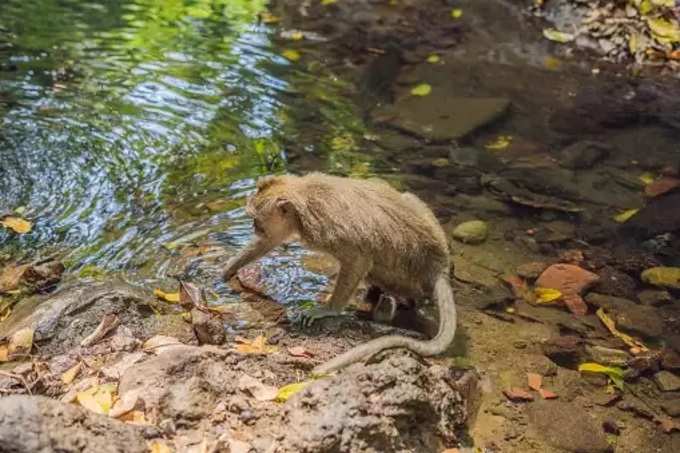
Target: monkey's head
point(272, 208)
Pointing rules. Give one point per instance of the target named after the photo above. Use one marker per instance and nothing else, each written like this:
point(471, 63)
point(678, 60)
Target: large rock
point(441, 120)
point(630, 317)
point(567, 426)
point(41, 425)
point(397, 404)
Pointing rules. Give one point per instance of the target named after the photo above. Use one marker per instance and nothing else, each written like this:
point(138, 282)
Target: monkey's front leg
point(350, 275)
point(256, 248)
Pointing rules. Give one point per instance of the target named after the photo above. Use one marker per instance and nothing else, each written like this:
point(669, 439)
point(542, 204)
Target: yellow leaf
point(328, 2)
point(158, 446)
point(97, 399)
point(134, 418)
point(624, 216)
point(664, 31)
point(268, 18)
point(647, 178)
point(257, 346)
point(557, 36)
point(168, 297)
point(4, 353)
point(16, 224)
point(546, 295)
point(633, 42)
point(614, 373)
point(500, 142)
point(552, 63)
point(289, 390)
point(434, 59)
point(291, 54)
point(71, 373)
point(296, 35)
point(611, 326)
point(456, 13)
point(421, 90)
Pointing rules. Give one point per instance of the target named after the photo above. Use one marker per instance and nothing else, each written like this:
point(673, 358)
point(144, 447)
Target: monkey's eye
point(257, 226)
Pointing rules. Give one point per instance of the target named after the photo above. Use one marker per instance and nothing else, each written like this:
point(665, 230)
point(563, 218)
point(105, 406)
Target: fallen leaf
point(571, 281)
point(268, 18)
point(168, 297)
point(71, 373)
point(291, 54)
point(647, 178)
point(16, 224)
point(546, 295)
point(328, 2)
point(158, 446)
point(518, 394)
point(21, 342)
point(257, 389)
point(661, 186)
point(285, 392)
point(190, 294)
point(4, 353)
point(294, 35)
point(534, 381)
point(624, 216)
point(614, 373)
point(664, 31)
point(500, 142)
point(611, 326)
point(12, 276)
point(557, 36)
point(547, 394)
point(134, 418)
point(519, 287)
point(666, 276)
point(552, 63)
point(299, 351)
point(108, 323)
point(257, 346)
point(433, 58)
point(97, 399)
point(421, 90)
point(456, 13)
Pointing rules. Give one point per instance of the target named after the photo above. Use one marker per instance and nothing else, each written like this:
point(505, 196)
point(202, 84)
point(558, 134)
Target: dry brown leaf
point(16, 224)
point(190, 294)
point(4, 353)
point(299, 351)
point(109, 322)
point(547, 394)
point(71, 373)
point(257, 346)
point(21, 342)
point(134, 418)
point(535, 381)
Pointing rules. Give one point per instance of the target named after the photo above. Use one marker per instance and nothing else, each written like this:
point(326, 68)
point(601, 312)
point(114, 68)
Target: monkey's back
point(397, 230)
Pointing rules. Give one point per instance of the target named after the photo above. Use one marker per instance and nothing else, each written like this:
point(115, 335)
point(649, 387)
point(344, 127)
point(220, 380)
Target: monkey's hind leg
point(352, 272)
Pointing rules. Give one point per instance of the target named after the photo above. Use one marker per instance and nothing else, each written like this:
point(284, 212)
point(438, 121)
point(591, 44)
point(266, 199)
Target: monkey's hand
point(308, 318)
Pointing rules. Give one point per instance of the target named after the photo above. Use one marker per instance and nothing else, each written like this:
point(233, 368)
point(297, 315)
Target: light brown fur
point(390, 239)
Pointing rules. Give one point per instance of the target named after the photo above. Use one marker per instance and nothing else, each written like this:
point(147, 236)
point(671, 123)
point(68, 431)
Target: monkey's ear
point(285, 205)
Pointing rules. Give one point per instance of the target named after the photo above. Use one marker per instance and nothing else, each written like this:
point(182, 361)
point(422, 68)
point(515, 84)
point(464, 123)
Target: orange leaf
point(534, 381)
point(547, 394)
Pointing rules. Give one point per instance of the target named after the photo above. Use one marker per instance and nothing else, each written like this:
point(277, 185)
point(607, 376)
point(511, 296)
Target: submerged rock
point(471, 232)
point(583, 154)
point(667, 381)
point(439, 120)
point(41, 425)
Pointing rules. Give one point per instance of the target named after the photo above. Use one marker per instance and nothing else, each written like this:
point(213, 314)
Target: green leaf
point(546, 295)
point(614, 373)
point(664, 31)
point(456, 13)
point(289, 390)
point(291, 54)
point(624, 216)
point(433, 59)
point(557, 36)
point(421, 90)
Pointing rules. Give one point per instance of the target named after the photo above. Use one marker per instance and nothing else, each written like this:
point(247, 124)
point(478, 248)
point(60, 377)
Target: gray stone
point(607, 356)
point(583, 154)
point(471, 232)
point(42, 425)
point(478, 159)
point(667, 381)
point(567, 426)
point(440, 120)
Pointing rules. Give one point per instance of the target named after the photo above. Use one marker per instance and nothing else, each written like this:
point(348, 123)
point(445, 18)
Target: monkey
point(389, 239)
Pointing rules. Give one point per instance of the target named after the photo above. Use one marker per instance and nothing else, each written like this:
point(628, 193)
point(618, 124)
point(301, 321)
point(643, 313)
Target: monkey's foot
point(308, 318)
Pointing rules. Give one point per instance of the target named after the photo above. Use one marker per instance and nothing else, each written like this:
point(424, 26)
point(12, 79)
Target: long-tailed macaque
point(390, 239)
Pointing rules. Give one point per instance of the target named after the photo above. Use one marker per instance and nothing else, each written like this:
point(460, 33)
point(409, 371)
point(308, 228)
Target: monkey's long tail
point(443, 296)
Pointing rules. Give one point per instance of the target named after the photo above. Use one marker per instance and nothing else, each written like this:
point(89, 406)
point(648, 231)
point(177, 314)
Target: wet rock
point(615, 283)
point(439, 120)
point(514, 192)
point(660, 215)
point(567, 426)
point(480, 203)
point(471, 232)
point(668, 277)
point(62, 320)
point(583, 154)
point(42, 425)
point(532, 270)
point(571, 281)
point(566, 351)
point(607, 356)
point(667, 381)
point(670, 360)
point(475, 158)
point(655, 298)
point(208, 329)
point(629, 316)
point(635, 406)
point(418, 408)
point(672, 407)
